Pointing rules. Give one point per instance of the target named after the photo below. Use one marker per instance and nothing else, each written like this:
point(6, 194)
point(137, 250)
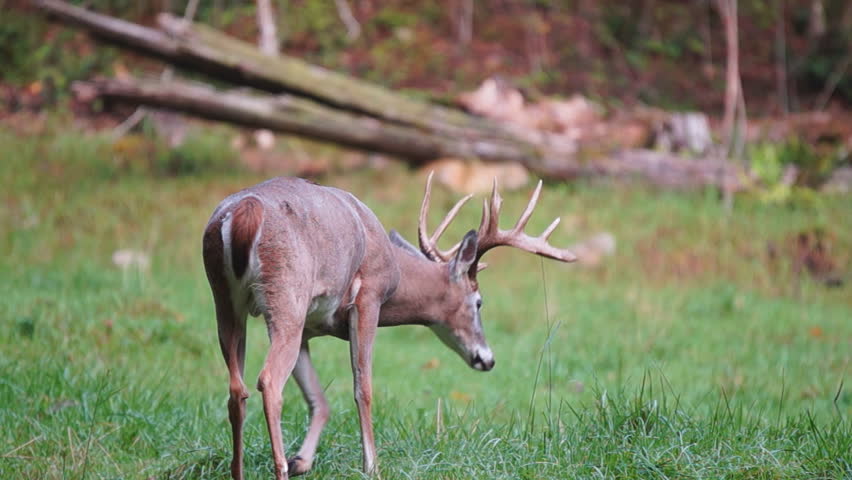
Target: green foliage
point(770, 161)
point(29, 55)
point(234, 15)
point(768, 167)
point(826, 53)
point(390, 18)
point(813, 166)
point(317, 22)
point(84, 159)
point(20, 49)
point(763, 12)
point(396, 58)
point(821, 66)
point(202, 152)
point(620, 31)
point(388, 65)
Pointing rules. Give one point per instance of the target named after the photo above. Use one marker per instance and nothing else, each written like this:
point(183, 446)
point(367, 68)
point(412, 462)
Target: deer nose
point(483, 360)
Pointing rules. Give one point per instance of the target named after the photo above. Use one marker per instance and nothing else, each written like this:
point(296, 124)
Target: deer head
point(460, 327)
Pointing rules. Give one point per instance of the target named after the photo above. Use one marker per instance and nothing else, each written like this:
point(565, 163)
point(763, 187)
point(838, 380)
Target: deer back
point(306, 241)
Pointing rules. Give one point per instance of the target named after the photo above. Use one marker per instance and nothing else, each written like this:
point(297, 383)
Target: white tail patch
point(245, 291)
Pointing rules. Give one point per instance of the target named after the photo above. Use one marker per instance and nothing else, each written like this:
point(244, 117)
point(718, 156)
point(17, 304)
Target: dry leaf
point(460, 396)
point(431, 364)
point(35, 88)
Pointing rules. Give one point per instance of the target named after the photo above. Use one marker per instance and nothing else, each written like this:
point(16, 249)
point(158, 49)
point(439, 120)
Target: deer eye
point(478, 303)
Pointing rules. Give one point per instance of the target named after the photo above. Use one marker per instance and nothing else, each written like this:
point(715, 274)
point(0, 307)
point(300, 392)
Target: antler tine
point(451, 215)
point(496, 204)
point(525, 217)
point(490, 235)
point(491, 212)
point(422, 234)
point(429, 245)
point(486, 216)
point(549, 230)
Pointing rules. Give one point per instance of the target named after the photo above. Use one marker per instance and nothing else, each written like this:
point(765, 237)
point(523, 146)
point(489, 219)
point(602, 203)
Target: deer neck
point(421, 287)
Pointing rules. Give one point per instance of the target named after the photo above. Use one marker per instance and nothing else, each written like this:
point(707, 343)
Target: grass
point(686, 355)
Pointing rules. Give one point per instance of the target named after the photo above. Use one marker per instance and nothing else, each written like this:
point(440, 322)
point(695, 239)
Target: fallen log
point(293, 115)
point(189, 45)
point(332, 107)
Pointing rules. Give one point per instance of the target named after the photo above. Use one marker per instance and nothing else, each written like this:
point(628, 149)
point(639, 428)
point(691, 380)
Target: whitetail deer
point(315, 261)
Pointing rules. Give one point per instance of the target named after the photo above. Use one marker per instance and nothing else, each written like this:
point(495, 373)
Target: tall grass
point(688, 354)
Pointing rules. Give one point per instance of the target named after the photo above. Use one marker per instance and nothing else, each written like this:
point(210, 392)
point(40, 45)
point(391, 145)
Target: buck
point(315, 261)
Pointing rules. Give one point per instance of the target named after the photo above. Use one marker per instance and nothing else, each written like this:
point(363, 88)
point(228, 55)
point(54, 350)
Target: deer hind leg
point(306, 377)
point(285, 334)
point(363, 320)
point(232, 340)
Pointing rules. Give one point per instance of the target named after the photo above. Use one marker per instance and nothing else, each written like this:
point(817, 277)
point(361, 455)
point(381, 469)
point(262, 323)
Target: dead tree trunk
point(289, 114)
point(268, 39)
point(198, 47)
point(734, 119)
point(332, 107)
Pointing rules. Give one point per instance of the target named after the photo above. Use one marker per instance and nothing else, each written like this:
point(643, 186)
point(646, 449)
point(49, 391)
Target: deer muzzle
point(482, 359)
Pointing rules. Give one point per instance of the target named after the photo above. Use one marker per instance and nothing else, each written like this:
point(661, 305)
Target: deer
point(315, 261)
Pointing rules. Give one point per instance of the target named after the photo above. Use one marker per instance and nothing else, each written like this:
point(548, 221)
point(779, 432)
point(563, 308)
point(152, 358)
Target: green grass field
point(686, 355)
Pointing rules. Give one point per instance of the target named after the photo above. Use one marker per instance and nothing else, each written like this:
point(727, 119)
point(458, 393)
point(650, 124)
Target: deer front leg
point(363, 321)
point(306, 377)
point(285, 334)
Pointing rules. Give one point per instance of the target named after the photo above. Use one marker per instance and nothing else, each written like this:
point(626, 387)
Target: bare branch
point(353, 28)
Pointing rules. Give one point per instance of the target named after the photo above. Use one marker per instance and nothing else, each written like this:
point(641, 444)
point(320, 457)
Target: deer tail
point(246, 219)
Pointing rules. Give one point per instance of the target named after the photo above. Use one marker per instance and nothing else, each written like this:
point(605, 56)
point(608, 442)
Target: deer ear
point(465, 256)
point(399, 241)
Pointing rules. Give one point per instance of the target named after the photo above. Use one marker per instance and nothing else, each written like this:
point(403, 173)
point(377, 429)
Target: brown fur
point(326, 267)
point(247, 217)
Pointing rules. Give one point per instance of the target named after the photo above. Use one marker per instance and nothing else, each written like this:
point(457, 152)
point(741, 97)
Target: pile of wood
point(288, 95)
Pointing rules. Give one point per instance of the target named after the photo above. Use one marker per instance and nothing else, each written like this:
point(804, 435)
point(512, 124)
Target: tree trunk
point(289, 114)
point(267, 41)
point(728, 13)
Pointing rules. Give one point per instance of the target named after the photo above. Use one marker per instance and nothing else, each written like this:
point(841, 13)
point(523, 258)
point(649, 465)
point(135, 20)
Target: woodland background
point(705, 332)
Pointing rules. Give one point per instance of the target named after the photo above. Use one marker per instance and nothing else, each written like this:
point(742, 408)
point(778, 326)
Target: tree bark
point(735, 121)
point(728, 13)
point(268, 39)
point(288, 114)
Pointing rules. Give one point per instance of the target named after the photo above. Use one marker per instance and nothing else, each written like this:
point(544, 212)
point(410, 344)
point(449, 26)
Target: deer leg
point(285, 337)
point(306, 377)
point(363, 320)
point(232, 340)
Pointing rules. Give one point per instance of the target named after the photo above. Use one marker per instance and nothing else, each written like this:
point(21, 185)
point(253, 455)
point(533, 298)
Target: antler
point(491, 236)
point(429, 245)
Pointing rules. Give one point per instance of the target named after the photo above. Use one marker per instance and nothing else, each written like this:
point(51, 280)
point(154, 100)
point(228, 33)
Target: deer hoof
point(297, 466)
